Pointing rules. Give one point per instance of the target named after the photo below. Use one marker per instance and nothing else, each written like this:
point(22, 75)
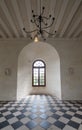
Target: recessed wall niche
point(71, 70)
point(7, 71)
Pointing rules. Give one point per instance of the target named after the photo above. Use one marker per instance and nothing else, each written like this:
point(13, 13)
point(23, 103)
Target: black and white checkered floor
point(41, 112)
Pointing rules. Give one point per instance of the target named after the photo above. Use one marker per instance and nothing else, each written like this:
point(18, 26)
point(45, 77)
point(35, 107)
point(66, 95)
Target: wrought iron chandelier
point(42, 23)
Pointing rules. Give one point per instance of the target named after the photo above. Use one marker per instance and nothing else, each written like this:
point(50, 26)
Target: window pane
point(38, 64)
point(41, 76)
point(41, 70)
point(35, 77)
point(41, 82)
point(35, 70)
point(35, 73)
point(35, 81)
point(41, 73)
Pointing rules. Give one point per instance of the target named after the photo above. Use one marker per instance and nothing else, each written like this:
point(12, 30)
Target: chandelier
point(42, 23)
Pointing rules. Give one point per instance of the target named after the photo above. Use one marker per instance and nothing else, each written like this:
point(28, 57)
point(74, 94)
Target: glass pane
point(41, 76)
point(38, 64)
point(35, 77)
point(41, 82)
point(41, 73)
point(35, 70)
point(41, 70)
point(35, 81)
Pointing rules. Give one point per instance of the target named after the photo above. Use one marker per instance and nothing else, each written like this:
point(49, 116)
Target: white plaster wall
point(9, 51)
point(70, 52)
point(8, 82)
point(71, 70)
point(49, 55)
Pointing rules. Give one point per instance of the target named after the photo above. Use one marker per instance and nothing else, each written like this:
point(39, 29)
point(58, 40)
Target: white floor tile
point(38, 128)
point(25, 120)
point(64, 120)
point(67, 127)
point(2, 119)
point(12, 120)
point(51, 120)
point(80, 128)
point(23, 128)
point(53, 128)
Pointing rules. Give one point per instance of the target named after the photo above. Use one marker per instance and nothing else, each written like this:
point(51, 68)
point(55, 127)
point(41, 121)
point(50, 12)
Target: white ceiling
point(16, 14)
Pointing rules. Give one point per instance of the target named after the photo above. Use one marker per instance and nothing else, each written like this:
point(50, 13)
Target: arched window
point(38, 73)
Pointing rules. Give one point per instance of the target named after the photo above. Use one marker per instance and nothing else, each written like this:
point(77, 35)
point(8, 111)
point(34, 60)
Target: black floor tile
point(13, 111)
point(62, 110)
point(59, 124)
point(67, 116)
point(17, 124)
point(74, 124)
point(72, 110)
point(53, 110)
point(3, 124)
point(80, 109)
point(5, 110)
point(31, 124)
point(20, 116)
point(78, 116)
point(45, 124)
point(32, 116)
point(9, 116)
point(23, 111)
point(55, 116)
point(1, 115)
point(44, 116)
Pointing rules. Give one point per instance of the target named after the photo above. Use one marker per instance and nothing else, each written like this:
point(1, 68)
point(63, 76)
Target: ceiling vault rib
point(77, 33)
point(29, 13)
point(47, 13)
point(52, 6)
point(61, 14)
point(75, 25)
point(2, 34)
point(5, 28)
point(70, 16)
point(18, 16)
point(8, 16)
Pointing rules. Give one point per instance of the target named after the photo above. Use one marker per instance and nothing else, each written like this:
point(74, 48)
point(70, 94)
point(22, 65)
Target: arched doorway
point(27, 56)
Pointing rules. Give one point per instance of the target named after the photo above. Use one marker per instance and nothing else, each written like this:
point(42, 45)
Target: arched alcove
point(27, 56)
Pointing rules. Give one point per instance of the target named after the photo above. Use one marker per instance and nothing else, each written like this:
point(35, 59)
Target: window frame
point(39, 67)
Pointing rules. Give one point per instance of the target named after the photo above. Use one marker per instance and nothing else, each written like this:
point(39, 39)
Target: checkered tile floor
point(41, 112)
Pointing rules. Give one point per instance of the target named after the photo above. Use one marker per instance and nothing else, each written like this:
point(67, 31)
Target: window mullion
point(38, 76)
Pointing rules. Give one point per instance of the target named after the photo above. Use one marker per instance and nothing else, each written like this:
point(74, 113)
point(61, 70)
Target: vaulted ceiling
point(16, 14)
